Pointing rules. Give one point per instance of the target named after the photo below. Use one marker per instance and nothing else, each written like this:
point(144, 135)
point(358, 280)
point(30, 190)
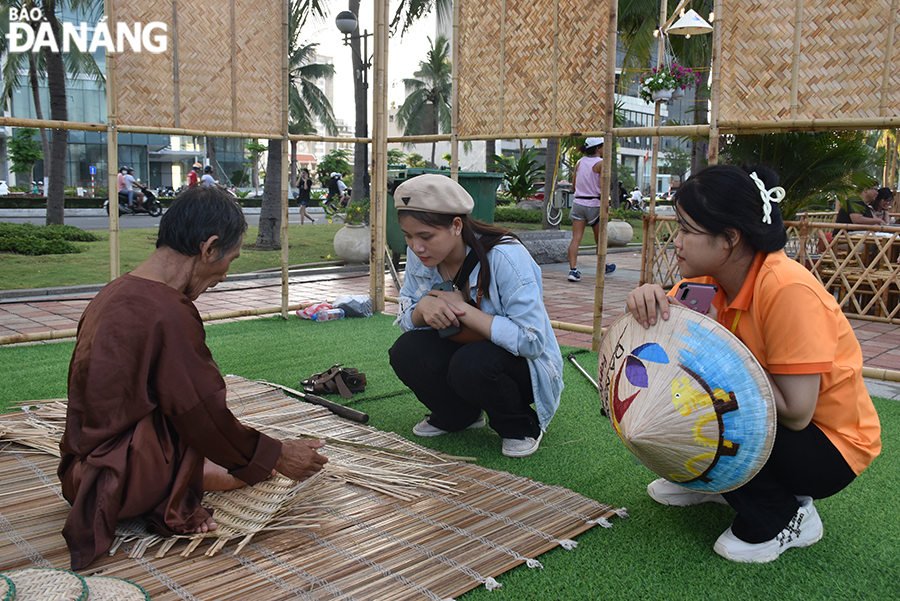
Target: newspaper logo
point(29, 32)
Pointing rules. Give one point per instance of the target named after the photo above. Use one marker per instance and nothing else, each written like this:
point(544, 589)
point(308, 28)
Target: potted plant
point(353, 241)
point(685, 77)
point(657, 85)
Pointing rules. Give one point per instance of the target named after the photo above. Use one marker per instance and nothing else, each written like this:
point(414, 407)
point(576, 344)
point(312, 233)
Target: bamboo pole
point(715, 95)
point(808, 125)
point(795, 62)
point(112, 152)
point(606, 173)
point(378, 210)
point(885, 92)
point(647, 275)
point(176, 80)
point(454, 96)
point(285, 160)
point(71, 333)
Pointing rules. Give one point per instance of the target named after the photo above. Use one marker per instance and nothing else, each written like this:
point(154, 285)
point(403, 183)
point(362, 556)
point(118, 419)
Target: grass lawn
point(658, 553)
point(307, 245)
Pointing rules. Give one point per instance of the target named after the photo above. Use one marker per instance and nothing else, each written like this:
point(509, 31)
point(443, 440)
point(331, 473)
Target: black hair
point(883, 194)
point(306, 170)
point(481, 237)
point(196, 215)
point(589, 150)
point(722, 197)
point(207, 169)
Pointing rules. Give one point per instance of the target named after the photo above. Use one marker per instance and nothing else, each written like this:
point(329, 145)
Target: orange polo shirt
point(792, 325)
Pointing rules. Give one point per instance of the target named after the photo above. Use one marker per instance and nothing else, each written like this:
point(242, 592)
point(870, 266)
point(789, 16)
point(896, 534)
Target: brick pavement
point(566, 302)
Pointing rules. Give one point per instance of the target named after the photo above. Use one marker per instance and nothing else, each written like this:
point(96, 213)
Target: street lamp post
point(347, 23)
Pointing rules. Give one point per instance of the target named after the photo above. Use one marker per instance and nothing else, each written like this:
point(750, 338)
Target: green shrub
point(30, 239)
point(512, 214)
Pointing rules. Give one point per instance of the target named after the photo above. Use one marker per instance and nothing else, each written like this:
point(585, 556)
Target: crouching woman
point(479, 282)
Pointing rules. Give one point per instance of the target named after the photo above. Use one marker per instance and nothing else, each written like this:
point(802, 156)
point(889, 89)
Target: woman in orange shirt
point(731, 234)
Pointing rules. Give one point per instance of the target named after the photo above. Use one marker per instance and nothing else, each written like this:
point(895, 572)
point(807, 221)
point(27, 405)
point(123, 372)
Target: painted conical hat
point(688, 399)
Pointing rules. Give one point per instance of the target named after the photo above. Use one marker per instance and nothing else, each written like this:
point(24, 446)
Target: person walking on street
point(304, 186)
point(586, 209)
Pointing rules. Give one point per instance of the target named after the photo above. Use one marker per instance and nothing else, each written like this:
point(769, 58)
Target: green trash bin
point(482, 186)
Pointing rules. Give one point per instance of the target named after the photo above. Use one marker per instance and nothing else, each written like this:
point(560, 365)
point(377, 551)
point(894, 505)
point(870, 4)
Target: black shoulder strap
point(462, 276)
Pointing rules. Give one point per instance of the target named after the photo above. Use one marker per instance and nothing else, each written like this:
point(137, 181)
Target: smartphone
point(451, 330)
point(697, 297)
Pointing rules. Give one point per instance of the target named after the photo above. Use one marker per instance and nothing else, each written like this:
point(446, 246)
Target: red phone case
point(697, 297)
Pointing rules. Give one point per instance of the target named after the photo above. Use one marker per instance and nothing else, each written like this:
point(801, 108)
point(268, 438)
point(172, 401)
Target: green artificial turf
point(657, 553)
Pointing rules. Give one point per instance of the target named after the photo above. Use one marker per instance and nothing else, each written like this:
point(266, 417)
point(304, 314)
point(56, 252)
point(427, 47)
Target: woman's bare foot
point(207, 526)
point(216, 477)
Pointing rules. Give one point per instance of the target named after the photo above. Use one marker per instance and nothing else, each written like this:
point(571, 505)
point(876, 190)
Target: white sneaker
point(426, 430)
point(574, 275)
point(668, 493)
point(804, 529)
point(521, 447)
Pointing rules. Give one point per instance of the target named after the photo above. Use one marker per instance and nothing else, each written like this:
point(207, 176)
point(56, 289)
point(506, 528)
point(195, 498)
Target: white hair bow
point(776, 194)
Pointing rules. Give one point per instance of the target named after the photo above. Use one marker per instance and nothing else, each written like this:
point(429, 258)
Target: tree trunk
point(551, 176)
point(490, 149)
point(699, 148)
point(292, 183)
point(56, 82)
point(38, 113)
point(254, 173)
point(211, 155)
point(269, 237)
point(360, 93)
point(614, 176)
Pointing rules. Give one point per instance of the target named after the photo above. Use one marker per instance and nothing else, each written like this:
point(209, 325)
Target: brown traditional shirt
point(146, 405)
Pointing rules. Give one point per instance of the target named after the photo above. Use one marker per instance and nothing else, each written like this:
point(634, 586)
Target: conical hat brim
point(688, 399)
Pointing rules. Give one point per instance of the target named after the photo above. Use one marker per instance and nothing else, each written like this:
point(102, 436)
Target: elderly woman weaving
point(147, 429)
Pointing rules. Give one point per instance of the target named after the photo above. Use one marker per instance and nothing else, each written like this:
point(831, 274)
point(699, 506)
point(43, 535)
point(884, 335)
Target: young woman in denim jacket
point(515, 364)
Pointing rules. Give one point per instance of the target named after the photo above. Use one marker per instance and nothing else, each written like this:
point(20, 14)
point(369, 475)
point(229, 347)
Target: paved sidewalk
point(569, 302)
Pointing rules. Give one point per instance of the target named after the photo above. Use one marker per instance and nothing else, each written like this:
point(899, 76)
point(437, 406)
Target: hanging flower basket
point(662, 95)
point(654, 81)
point(677, 93)
point(684, 77)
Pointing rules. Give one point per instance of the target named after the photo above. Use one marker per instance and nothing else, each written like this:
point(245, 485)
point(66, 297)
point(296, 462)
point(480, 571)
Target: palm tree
point(890, 142)
point(306, 102)
point(54, 67)
point(426, 109)
point(812, 167)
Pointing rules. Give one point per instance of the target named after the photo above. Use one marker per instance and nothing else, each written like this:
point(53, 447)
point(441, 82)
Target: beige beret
point(433, 193)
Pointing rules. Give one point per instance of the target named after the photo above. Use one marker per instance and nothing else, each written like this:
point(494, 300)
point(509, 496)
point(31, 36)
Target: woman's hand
point(643, 303)
point(440, 309)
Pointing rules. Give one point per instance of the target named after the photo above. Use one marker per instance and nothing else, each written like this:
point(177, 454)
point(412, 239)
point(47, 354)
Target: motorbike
point(151, 206)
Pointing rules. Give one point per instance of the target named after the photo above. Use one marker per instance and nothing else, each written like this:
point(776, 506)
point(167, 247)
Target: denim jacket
point(521, 324)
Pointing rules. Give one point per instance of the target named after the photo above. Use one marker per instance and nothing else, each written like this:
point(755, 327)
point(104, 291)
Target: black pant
point(803, 463)
point(457, 381)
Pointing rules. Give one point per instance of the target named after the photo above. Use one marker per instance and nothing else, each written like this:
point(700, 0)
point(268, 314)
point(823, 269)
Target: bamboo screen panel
point(229, 69)
point(531, 66)
point(843, 48)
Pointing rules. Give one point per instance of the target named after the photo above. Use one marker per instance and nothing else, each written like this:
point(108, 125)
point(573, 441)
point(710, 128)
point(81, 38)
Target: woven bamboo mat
point(388, 519)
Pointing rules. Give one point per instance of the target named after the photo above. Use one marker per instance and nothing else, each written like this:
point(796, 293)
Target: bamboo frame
point(112, 152)
point(605, 175)
point(378, 210)
point(285, 148)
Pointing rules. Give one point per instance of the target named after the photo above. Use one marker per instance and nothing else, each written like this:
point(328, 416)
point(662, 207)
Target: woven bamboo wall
point(521, 69)
point(214, 91)
point(842, 58)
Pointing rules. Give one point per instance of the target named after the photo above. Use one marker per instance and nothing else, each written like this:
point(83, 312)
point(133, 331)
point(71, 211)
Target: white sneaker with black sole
point(668, 493)
point(521, 447)
point(426, 430)
point(804, 529)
